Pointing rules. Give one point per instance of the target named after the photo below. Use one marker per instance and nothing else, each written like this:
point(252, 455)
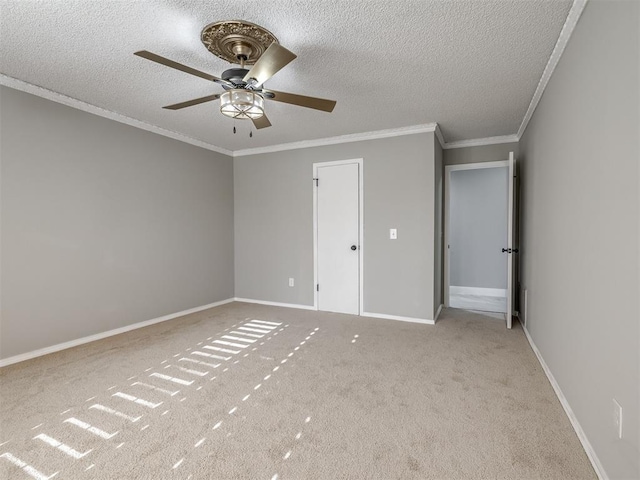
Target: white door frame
point(360, 163)
point(447, 203)
point(510, 234)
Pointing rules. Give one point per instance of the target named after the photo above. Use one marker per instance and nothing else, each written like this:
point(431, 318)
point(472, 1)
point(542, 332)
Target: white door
point(338, 237)
point(511, 250)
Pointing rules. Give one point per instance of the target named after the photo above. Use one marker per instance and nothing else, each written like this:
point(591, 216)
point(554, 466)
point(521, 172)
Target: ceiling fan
point(243, 43)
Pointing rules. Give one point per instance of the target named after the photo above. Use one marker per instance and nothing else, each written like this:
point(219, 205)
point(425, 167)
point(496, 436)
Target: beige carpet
point(314, 396)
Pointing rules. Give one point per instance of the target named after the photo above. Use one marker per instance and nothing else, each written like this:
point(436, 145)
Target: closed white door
point(338, 242)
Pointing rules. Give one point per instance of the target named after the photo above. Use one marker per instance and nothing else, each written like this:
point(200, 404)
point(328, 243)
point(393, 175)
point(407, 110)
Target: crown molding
point(563, 39)
point(354, 137)
point(439, 136)
point(477, 142)
point(570, 23)
point(102, 112)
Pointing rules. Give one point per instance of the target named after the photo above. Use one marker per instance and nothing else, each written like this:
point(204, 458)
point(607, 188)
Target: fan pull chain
point(234, 126)
point(251, 133)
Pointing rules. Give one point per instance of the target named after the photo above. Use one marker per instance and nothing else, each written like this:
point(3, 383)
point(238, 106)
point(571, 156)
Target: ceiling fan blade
point(195, 101)
point(270, 62)
point(262, 122)
point(302, 100)
point(178, 66)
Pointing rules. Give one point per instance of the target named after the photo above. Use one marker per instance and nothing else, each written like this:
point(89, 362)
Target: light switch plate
point(393, 233)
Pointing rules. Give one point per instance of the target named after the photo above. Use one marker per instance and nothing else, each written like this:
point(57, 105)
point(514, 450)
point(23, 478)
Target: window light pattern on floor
point(171, 379)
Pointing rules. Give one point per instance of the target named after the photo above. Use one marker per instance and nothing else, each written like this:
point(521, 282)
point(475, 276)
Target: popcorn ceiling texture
point(471, 66)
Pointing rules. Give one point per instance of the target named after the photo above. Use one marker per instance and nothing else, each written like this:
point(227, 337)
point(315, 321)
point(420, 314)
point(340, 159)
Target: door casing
point(447, 222)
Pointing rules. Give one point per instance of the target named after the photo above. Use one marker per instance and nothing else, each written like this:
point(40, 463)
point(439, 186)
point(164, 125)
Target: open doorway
point(478, 236)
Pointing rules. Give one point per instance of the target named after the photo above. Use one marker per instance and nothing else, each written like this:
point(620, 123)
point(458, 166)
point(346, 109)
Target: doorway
point(478, 237)
point(338, 229)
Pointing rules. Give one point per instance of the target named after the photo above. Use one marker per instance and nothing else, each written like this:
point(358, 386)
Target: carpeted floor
point(290, 394)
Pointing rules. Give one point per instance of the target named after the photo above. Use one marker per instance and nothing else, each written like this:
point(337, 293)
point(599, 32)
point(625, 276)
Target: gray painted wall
point(484, 153)
point(104, 225)
point(274, 223)
point(581, 213)
point(438, 231)
point(478, 227)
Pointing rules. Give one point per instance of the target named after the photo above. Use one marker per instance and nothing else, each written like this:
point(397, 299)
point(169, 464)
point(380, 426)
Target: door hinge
point(316, 180)
point(317, 287)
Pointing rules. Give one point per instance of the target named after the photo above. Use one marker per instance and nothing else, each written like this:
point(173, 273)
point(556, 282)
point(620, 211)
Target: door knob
point(353, 247)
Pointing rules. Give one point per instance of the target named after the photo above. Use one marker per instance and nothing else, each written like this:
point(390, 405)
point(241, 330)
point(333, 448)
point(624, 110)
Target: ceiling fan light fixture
point(242, 104)
point(248, 44)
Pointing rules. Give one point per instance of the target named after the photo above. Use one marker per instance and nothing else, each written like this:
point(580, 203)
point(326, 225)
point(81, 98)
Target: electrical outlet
point(291, 282)
point(393, 233)
point(617, 417)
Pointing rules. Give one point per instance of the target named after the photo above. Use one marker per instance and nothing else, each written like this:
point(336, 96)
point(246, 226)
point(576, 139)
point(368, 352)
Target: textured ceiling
point(471, 66)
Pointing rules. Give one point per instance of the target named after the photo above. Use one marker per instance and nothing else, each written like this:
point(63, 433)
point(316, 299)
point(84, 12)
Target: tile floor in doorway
point(482, 303)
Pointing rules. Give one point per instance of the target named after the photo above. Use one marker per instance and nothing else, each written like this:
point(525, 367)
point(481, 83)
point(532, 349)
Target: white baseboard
point(99, 336)
point(364, 314)
point(397, 317)
point(438, 312)
point(486, 292)
point(593, 458)
point(275, 304)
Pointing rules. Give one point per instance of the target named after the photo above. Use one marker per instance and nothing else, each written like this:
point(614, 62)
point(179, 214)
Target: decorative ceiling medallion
point(233, 39)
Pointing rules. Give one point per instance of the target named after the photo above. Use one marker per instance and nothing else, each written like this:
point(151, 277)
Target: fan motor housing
point(235, 76)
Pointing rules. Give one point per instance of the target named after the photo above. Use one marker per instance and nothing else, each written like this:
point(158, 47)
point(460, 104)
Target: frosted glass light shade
point(241, 104)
